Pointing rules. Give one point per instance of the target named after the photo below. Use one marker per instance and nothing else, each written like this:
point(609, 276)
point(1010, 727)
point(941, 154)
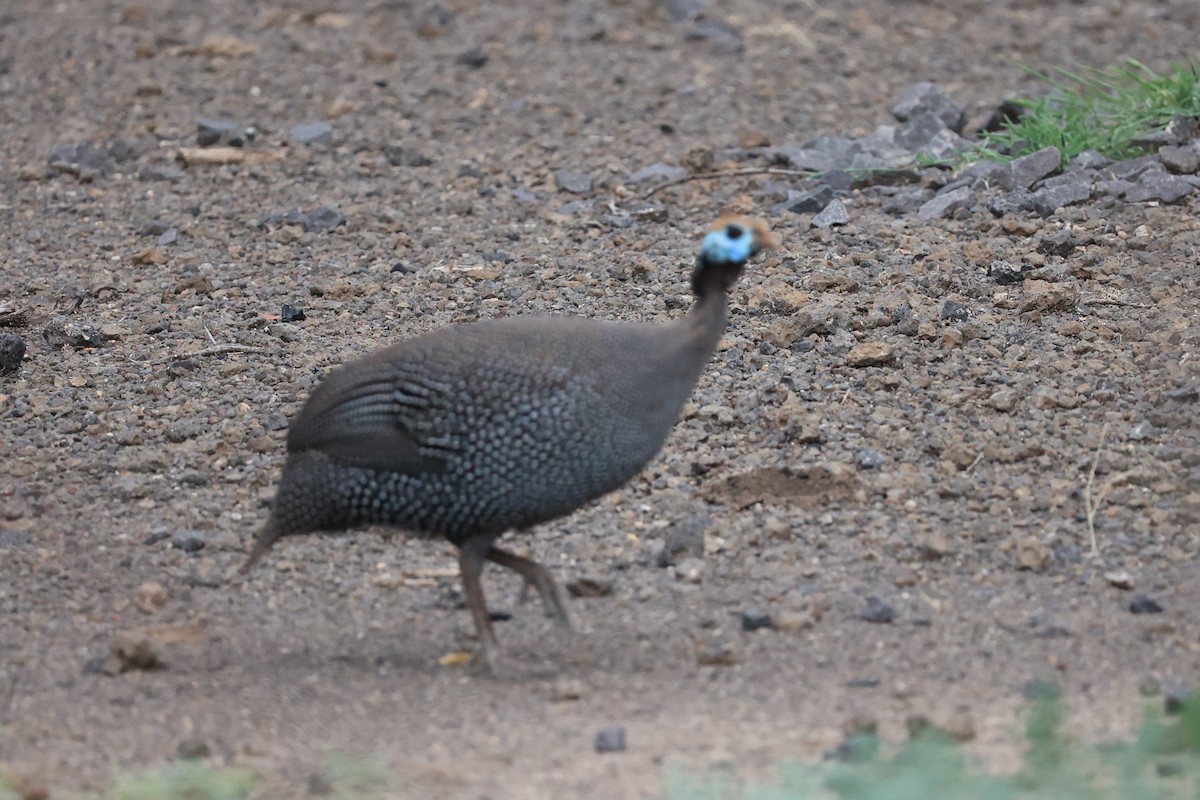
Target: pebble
point(690, 570)
point(573, 182)
point(870, 354)
point(1181, 160)
point(929, 98)
point(12, 353)
point(1032, 554)
point(1023, 172)
point(809, 202)
point(1141, 604)
point(833, 214)
point(290, 313)
point(226, 132)
point(610, 739)
point(83, 160)
point(684, 539)
point(717, 649)
point(475, 58)
point(954, 311)
point(1159, 185)
point(188, 541)
point(1048, 199)
point(944, 205)
point(193, 749)
point(869, 459)
point(1120, 579)
point(312, 133)
point(877, 611)
point(398, 155)
point(565, 689)
point(150, 597)
point(754, 619)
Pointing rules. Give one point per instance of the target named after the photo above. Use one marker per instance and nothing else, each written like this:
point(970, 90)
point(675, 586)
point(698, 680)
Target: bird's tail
point(266, 536)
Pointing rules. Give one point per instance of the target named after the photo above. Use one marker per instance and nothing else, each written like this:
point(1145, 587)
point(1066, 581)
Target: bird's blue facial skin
point(731, 244)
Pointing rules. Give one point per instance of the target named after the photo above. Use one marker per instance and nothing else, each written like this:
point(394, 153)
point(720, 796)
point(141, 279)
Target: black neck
point(713, 277)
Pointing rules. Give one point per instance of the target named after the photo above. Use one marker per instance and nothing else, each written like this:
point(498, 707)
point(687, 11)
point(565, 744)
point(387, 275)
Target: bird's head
point(730, 243)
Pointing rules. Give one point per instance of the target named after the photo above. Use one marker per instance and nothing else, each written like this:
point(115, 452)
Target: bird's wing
point(360, 416)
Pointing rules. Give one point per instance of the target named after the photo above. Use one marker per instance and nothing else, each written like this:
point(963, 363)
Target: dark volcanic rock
point(808, 202)
point(12, 352)
point(1023, 172)
point(833, 214)
point(1048, 198)
point(1158, 185)
point(943, 205)
point(929, 98)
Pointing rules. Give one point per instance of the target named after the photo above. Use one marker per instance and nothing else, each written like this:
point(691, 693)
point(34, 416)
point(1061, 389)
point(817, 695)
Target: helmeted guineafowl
point(499, 425)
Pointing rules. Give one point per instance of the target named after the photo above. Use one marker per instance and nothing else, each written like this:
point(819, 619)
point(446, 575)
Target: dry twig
point(1088, 503)
point(729, 173)
point(217, 350)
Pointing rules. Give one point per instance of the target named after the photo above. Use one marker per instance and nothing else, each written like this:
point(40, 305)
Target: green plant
point(188, 780)
point(1162, 763)
point(1098, 109)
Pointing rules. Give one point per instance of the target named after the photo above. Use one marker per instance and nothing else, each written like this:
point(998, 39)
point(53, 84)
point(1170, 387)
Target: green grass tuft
point(1098, 109)
point(1163, 763)
point(188, 780)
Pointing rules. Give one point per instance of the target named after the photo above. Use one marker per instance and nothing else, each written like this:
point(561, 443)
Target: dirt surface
point(948, 475)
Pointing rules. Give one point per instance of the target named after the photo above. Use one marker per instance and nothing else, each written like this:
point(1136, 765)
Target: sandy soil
point(952, 482)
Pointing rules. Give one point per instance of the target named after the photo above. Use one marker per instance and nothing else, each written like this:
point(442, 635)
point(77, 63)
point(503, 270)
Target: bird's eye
point(734, 232)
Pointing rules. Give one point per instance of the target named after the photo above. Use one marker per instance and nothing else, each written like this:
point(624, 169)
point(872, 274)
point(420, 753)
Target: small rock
point(75, 334)
point(1010, 203)
point(657, 172)
point(188, 541)
point(870, 354)
point(475, 58)
point(925, 97)
point(1023, 172)
point(1002, 272)
point(1181, 160)
point(869, 459)
point(566, 689)
point(833, 214)
point(1176, 698)
point(919, 130)
point(590, 587)
point(291, 313)
point(610, 739)
point(906, 201)
point(1004, 400)
point(1088, 159)
point(168, 237)
point(573, 182)
point(13, 539)
point(717, 649)
point(1032, 554)
point(1141, 604)
point(192, 749)
point(1142, 431)
point(690, 570)
point(318, 219)
point(877, 611)
point(684, 539)
point(1050, 198)
point(1159, 185)
point(312, 133)
point(808, 202)
point(161, 172)
point(946, 204)
point(953, 311)
point(1048, 297)
point(1120, 579)
point(225, 132)
point(150, 597)
point(398, 155)
point(755, 619)
point(83, 160)
point(12, 353)
point(1057, 243)
point(934, 545)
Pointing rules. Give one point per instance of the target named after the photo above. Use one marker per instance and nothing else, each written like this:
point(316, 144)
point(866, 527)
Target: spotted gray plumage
point(477, 429)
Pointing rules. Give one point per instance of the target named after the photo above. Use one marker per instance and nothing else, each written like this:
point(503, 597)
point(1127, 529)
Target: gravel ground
point(891, 468)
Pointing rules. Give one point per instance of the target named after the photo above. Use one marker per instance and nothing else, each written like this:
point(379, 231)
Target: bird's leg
point(535, 576)
point(471, 555)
